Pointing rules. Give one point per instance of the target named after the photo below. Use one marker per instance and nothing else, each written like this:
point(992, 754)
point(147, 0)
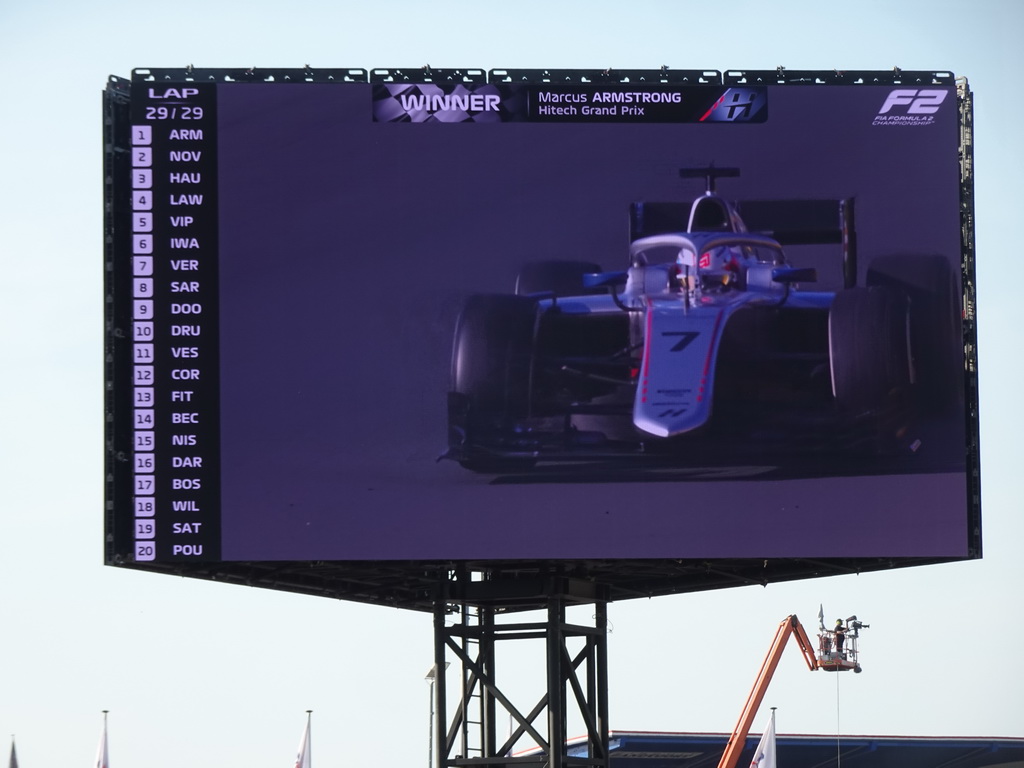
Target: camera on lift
point(856, 625)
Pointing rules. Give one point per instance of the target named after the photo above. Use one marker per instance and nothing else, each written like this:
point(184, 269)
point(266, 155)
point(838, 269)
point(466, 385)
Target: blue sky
point(213, 675)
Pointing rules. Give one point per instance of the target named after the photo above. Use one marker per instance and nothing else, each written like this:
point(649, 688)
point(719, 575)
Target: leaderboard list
point(174, 322)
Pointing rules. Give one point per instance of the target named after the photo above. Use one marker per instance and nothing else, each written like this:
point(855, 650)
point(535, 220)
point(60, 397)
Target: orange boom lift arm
point(830, 657)
point(788, 627)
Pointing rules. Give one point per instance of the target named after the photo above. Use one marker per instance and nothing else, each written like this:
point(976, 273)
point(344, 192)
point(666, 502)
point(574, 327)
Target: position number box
point(145, 528)
point(145, 506)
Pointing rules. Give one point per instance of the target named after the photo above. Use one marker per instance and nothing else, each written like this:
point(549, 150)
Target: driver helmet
point(724, 265)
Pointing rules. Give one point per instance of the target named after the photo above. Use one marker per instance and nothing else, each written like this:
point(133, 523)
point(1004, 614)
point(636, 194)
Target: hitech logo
point(910, 106)
point(738, 105)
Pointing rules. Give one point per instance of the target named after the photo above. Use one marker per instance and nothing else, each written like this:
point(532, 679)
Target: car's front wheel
point(492, 375)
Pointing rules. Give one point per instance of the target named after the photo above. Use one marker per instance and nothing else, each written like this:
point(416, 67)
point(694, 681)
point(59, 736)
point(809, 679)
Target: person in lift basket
point(840, 632)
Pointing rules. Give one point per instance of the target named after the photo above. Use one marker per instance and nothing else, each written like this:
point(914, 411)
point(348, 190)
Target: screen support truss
point(576, 660)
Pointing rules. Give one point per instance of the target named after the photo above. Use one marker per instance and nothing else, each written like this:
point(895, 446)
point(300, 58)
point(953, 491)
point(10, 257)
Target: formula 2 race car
point(707, 345)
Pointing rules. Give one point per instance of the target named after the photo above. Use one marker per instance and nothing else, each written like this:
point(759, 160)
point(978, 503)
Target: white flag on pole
point(304, 758)
point(102, 756)
point(764, 755)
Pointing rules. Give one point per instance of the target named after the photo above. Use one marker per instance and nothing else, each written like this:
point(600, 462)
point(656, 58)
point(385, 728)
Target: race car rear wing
point(790, 222)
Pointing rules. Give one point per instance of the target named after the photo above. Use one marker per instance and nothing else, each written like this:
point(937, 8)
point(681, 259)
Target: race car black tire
point(935, 336)
point(869, 347)
point(492, 357)
point(492, 371)
point(562, 278)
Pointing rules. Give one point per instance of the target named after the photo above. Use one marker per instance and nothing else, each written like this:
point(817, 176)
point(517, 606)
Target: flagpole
point(764, 752)
point(304, 759)
point(102, 754)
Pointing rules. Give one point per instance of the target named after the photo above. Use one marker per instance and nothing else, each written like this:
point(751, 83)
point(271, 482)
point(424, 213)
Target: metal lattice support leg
point(576, 678)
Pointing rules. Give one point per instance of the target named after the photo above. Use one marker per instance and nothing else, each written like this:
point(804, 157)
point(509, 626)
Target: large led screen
point(523, 320)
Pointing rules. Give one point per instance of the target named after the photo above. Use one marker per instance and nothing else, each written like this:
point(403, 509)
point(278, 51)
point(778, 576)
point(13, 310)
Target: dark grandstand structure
point(642, 749)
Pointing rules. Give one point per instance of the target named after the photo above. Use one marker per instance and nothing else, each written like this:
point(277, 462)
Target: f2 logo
point(925, 101)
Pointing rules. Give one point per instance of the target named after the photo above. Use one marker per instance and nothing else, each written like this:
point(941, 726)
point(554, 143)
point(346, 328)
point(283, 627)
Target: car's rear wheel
point(935, 312)
point(869, 347)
